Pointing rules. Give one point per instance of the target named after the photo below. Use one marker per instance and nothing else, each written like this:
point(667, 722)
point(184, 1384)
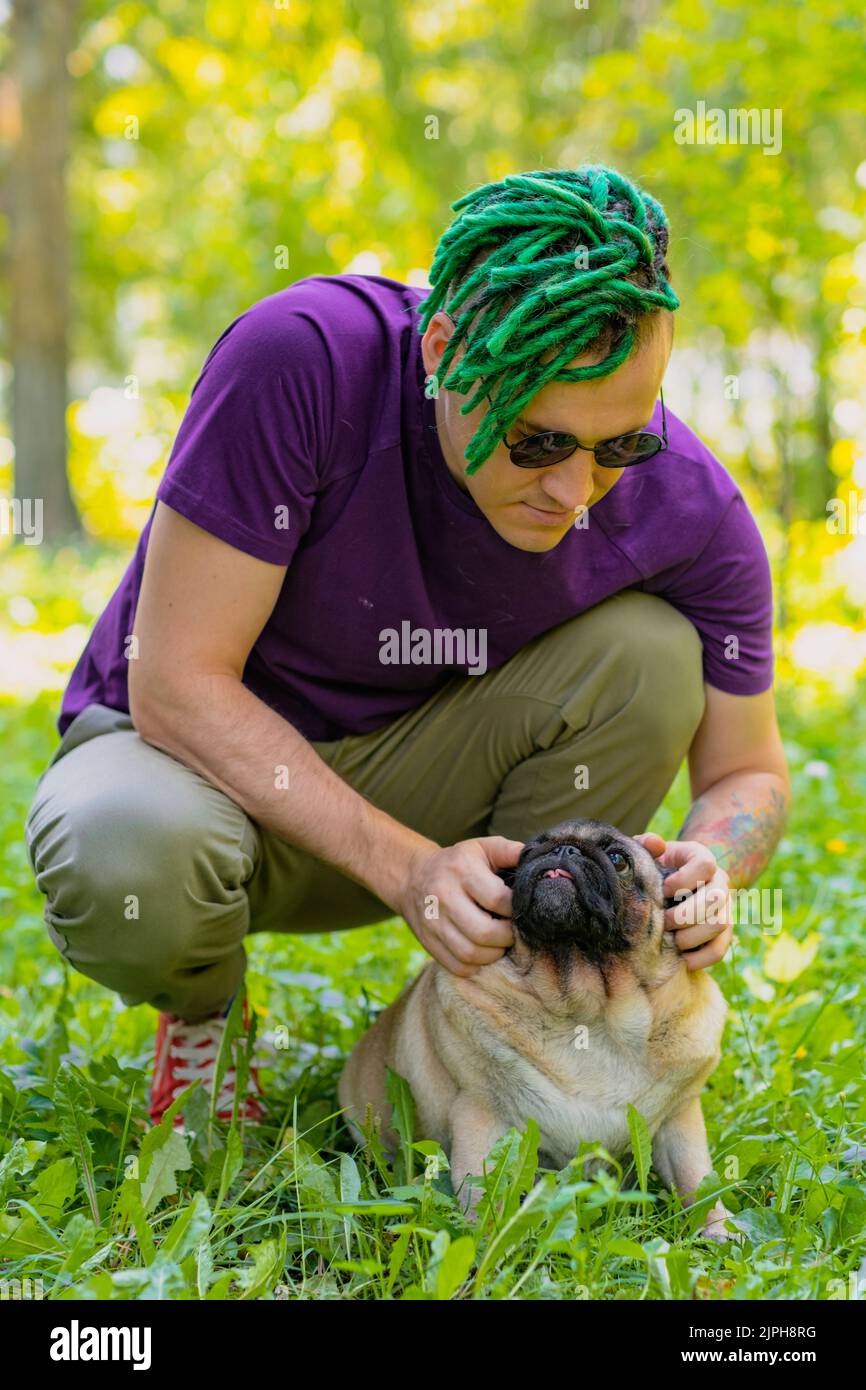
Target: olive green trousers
point(153, 878)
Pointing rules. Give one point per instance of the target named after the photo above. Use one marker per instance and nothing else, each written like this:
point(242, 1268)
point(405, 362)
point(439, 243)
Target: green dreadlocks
point(557, 261)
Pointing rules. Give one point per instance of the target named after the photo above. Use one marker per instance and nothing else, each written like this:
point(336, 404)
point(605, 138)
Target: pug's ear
point(507, 876)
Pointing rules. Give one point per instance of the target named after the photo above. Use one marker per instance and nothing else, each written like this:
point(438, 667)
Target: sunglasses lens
point(628, 449)
point(542, 449)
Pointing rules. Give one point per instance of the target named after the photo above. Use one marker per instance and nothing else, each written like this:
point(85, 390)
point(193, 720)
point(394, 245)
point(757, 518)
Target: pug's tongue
point(556, 873)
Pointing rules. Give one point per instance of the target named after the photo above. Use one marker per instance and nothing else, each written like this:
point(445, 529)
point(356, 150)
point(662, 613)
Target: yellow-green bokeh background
point(221, 151)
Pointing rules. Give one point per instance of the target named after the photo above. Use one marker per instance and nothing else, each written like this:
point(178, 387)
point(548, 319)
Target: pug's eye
point(619, 862)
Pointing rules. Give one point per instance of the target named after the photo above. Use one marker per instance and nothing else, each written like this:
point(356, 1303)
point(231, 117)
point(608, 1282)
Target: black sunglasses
point(552, 446)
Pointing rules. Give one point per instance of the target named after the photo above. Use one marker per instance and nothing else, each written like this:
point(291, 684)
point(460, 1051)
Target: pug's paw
point(714, 1227)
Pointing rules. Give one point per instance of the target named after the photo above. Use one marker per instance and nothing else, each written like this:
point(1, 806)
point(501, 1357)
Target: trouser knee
point(662, 653)
point(626, 682)
point(143, 881)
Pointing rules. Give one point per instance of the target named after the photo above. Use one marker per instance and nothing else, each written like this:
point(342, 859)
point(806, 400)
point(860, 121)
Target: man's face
point(533, 508)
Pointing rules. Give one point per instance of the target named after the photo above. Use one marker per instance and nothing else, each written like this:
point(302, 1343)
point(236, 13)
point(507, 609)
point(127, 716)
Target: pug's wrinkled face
point(585, 890)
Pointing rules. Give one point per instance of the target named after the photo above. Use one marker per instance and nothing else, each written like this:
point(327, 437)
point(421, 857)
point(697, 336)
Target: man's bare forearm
point(215, 725)
point(741, 819)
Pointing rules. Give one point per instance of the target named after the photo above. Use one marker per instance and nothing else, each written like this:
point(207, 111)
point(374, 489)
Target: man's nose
point(570, 483)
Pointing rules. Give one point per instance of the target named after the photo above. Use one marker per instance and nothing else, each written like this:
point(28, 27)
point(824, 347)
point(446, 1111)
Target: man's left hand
point(705, 918)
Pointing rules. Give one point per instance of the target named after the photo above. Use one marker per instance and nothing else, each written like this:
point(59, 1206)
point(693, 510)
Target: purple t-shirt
point(308, 442)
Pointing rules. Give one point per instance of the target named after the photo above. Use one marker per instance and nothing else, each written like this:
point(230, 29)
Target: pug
point(591, 1009)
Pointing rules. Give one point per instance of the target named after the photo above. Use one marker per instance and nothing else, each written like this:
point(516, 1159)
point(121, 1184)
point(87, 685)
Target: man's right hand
point(448, 897)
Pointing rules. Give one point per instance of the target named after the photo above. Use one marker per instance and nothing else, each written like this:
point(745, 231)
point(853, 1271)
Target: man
point(375, 635)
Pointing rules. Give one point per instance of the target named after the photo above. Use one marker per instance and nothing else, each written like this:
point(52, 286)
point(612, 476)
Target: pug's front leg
point(681, 1158)
point(474, 1130)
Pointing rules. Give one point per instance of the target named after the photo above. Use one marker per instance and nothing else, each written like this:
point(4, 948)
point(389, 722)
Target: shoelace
point(198, 1044)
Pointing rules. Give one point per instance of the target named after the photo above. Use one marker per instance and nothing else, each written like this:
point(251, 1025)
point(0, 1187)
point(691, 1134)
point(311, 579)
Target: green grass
point(96, 1204)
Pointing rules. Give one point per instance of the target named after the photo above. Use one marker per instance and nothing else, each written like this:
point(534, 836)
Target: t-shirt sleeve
point(727, 594)
point(245, 463)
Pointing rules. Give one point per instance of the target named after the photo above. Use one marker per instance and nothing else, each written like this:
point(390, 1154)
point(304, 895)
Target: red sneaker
point(186, 1052)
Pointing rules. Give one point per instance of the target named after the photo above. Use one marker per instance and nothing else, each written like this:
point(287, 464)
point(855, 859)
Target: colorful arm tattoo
point(742, 827)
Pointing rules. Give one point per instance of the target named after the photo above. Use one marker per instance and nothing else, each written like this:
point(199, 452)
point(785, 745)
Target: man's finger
point(710, 904)
point(697, 935)
point(469, 952)
point(487, 889)
point(472, 922)
point(709, 955)
point(652, 842)
point(449, 960)
point(693, 868)
point(489, 896)
point(501, 853)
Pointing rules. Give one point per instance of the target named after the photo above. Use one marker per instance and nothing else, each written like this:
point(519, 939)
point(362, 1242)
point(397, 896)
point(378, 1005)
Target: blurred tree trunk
point(38, 261)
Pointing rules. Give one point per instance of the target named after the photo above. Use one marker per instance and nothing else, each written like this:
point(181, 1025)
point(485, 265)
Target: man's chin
point(529, 537)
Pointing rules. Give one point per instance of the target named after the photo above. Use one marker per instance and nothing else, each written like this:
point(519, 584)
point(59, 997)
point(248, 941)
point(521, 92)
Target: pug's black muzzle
point(570, 897)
